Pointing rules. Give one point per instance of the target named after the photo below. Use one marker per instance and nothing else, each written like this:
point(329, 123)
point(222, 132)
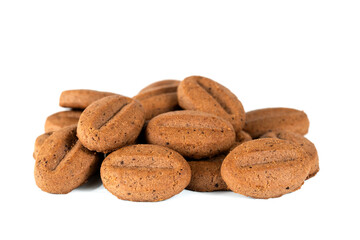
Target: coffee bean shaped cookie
point(205, 175)
point(301, 141)
point(110, 123)
point(205, 95)
point(159, 99)
point(145, 173)
point(63, 163)
point(160, 84)
point(39, 142)
point(62, 119)
point(81, 98)
point(265, 168)
point(259, 122)
point(191, 133)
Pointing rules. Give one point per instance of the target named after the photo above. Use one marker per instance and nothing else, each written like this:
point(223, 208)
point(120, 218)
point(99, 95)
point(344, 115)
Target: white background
point(299, 54)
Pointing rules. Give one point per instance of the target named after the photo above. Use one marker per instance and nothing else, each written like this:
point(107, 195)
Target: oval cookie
point(265, 168)
point(145, 173)
point(63, 163)
point(205, 95)
point(110, 123)
point(81, 98)
point(259, 122)
point(191, 133)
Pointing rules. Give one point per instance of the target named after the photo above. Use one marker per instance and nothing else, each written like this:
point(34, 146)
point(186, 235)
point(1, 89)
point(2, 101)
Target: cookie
point(191, 133)
point(110, 123)
point(205, 95)
point(205, 175)
point(60, 120)
point(301, 141)
point(81, 98)
point(145, 173)
point(265, 168)
point(261, 121)
point(39, 142)
point(159, 97)
point(241, 137)
point(160, 84)
point(63, 163)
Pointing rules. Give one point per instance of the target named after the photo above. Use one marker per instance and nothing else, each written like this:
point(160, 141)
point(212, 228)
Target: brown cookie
point(160, 84)
point(205, 95)
point(265, 168)
point(191, 133)
point(205, 175)
point(62, 119)
point(81, 98)
point(301, 141)
point(145, 173)
point(110, 123)
point(63, 163)
point(39, 142)
point(241, 137)
point(259, 122)
point(159, 97)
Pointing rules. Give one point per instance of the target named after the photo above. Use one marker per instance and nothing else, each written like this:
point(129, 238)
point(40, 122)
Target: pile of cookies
point(173, 135)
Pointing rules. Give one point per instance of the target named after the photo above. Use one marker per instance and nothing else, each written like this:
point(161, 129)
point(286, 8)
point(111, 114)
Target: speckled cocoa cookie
point(39, 142)
point(241, 137)
point(160, 84)
point(205, 175)
point(62, 119)
point(191, 133)
point(259, 122)
point(81, 98)
point(301, 141)
point(205, 95)
point(63, 163)
point(145, 173)
point(159, 98)
point(110, 123)
point(265, 168)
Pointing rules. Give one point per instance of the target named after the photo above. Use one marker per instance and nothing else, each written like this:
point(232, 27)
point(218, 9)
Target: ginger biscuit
point(259, 122)
point(159, 98)
point(265, 168)
point(205, 95)
point(110, 123)
point(205, 175)
point(191, 133)
point(63, 163)
point(145, 173)
point(81, 98)
point(62, 119)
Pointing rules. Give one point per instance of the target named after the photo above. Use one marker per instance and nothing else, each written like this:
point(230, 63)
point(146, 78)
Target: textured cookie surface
point(301, 141)
point(62, 119)
point(261, 121)
point(63, 163)
point(265, 168)
point(206, 95)
point(39, 142)
point(191, 133)
point(241, 137)
point(145, 173)
point(110, 123)
point(205, 175)
point(159, 97)
point(160, 84)
point(81, 98)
